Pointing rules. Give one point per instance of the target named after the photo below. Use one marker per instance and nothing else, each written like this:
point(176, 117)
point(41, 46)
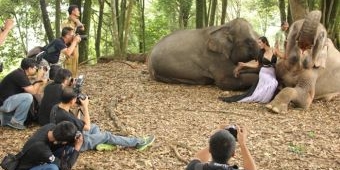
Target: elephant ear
point(217, 39)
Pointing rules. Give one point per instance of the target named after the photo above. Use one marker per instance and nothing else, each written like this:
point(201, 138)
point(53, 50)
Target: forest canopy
point(117, 28)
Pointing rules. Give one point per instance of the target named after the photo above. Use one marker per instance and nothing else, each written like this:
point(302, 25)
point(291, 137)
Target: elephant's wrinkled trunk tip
point(308, 30)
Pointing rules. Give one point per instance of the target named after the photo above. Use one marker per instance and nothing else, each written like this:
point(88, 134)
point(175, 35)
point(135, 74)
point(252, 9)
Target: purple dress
point(264, 90)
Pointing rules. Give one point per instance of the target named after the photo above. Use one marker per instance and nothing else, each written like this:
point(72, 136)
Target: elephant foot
point(277, 108)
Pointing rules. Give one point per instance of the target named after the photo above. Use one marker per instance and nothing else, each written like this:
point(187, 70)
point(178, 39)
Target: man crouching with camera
point(221, 148)
point(53, 146)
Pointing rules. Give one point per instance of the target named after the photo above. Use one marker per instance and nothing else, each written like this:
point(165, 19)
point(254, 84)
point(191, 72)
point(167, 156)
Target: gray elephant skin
point(312, 68)
point(206, 56)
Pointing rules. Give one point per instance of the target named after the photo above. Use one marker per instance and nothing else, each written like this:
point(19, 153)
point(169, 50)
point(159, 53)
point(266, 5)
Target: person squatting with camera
point(94, 138)
point(16, 92)
point(222, 146)
point(73, 21)
point(53, 147)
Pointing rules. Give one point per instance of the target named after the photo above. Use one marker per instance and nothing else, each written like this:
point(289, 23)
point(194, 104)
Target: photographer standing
point(73, 21)
point(66, 45)
point(52, 94)
point(221, 148)
point(94, 138)
point(52, 147)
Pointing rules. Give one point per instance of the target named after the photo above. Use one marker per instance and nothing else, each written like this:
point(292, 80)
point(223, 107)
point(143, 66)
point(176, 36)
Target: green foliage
point(298, 149)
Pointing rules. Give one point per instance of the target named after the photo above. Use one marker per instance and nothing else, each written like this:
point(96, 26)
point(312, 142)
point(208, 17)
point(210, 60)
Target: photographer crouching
point(221, 148)
point(52, 94)
point(53, 147)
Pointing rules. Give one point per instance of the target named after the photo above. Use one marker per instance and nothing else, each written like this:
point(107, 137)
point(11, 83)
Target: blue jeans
point(94, 136)
point(45, 167)
point(16, 108)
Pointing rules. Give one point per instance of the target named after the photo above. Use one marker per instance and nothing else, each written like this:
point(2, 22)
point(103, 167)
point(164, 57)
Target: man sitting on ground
point(16, 93)
point(93, 137)
point(221, 149)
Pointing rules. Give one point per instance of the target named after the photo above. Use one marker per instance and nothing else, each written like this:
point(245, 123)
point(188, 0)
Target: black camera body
point(77, 89)
point(233, 130)
point(82, 36)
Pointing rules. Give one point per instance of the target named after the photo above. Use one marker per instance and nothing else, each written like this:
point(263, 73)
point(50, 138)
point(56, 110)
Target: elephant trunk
point(308, 30)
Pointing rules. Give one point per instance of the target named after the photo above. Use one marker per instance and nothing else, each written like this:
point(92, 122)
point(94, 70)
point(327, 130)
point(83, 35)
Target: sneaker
point(105, 147)
point(147, 142)
point(16, 125)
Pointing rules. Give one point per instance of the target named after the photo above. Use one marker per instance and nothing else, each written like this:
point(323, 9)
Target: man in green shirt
point(280, 40)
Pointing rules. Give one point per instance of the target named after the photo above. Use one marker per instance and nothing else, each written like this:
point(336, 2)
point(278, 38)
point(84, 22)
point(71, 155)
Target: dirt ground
point(125, 101)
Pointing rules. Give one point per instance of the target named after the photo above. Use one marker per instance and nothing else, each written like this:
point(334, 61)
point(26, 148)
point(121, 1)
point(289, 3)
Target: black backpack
point(39, 52)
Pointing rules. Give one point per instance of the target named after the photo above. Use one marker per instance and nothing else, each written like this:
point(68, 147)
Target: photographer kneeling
point(94, 138)
point(221, 148)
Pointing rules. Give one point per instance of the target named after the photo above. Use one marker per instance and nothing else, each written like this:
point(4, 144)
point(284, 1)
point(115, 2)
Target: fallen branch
point(110, 111)
point(178, 155)
point(213, 111)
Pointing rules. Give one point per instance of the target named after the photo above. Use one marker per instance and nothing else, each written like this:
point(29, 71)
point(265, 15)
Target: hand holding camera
point(78, 140)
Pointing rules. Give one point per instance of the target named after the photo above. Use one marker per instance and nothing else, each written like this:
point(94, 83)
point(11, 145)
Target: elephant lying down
point(206, 56)
point(312, 69)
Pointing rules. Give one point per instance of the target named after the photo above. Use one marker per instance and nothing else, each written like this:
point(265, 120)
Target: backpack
point(39, 52)
point(214, 166)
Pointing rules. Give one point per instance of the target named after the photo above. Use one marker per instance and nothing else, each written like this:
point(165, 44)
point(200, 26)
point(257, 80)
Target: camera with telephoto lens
point(77, 89)
point(78, 32)
point(233, 130)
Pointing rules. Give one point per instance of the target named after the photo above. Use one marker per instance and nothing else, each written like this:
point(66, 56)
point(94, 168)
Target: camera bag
point(10, 161)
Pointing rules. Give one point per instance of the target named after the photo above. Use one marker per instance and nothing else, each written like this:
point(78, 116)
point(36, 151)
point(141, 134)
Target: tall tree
point(57, 18)
point(224, 11)
point(99, 27)
point(46, 20)
point(184, 12)
point(298, 8)
point(199, 13)
point(86, 20)
point(141, 35)
point(212, 12)
point(330, 17)
point(282, 8)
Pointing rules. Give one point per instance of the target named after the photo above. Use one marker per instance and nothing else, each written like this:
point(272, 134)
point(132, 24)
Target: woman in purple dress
point(263, 91)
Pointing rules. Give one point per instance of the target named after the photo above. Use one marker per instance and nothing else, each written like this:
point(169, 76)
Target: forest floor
point(124, 100)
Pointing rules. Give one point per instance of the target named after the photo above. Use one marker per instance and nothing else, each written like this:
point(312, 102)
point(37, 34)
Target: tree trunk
point(86, 20)
point(330, 18)
point(205, 13)
point(121, 22)
point(46, 21)
point(298, 8)
point(224, 11)
point(212, 12)
point(127, 26)
point(57, 18)
point(282, 8)
point(115, 32)
point(184, 12)
point(99, 27)
point(141, 7)
point(199, 13)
